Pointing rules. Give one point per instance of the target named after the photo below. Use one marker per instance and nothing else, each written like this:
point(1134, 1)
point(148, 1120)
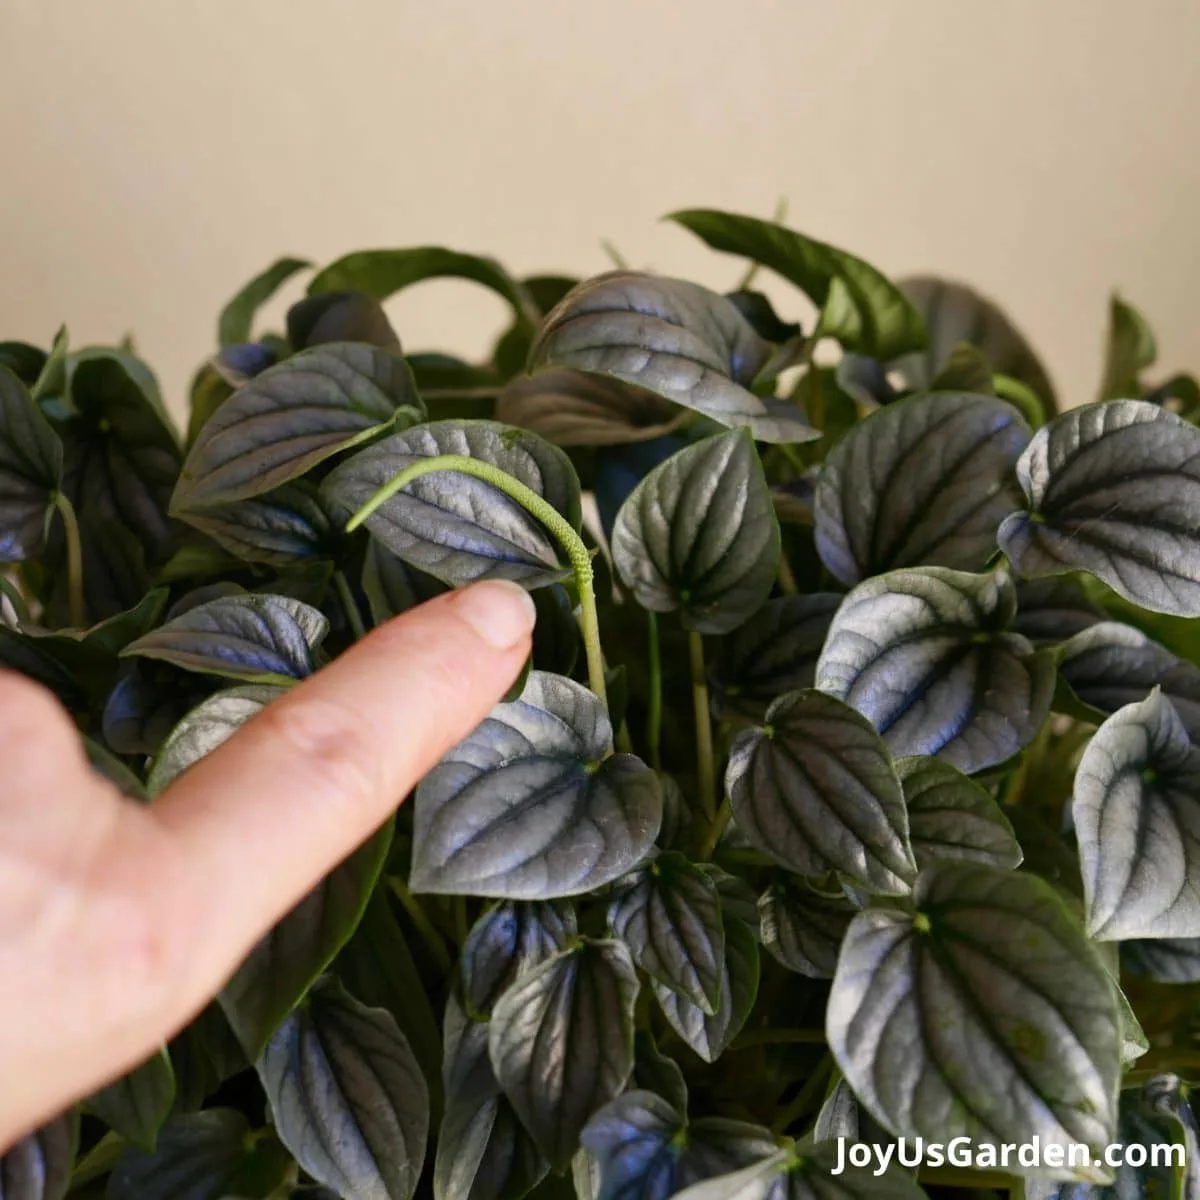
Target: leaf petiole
point(705, 764)
point(538, 508)
point(655, 700)
point(78, 608)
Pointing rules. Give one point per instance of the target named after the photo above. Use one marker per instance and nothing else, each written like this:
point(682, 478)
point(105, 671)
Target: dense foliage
point(852, 790)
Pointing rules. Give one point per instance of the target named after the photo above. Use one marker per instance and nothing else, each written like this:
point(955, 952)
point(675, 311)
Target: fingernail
point(499, 611)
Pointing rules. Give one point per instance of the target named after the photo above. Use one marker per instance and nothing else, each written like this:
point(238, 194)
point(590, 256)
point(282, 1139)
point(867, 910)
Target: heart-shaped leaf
point(815, 789)
point(292, 417)
point(31, 468)
point(38, 1167)
point(533, 805)
point(803, 928)
point(204, 729)
point(673, 338)
point(1053, 609)
point(1130, 349)
point(256, 638)
point(774, 652)
point(453, 526)
point(391, 586)
point(951, 816)
point(199, 1156)
point(1111, 665)
point(953, 314)
point(859, 307)
point(278, 529)
point(561, 1041)
point(281, 968)
point(509, 939)
point(669, 915)
point(571, 408)
point(924, 654)
point(876, 511)
point(236, 322)
point(347, 1097)
point(483, 1151)
point(136, 1105)
point(1114, 489)
point(1137, 818)
point(710, 1033)
point(699, 535)
point(655, 1072)
point(340, 317)
point(984, 1013)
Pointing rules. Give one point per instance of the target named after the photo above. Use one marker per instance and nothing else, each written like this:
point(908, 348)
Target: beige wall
point(158, 152)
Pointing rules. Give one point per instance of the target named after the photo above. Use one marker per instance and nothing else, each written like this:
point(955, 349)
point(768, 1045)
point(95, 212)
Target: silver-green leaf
point(803, 928)
point(1137, 819)
point(38, 1167)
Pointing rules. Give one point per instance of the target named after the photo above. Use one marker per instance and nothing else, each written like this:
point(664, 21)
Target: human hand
point(119, 922)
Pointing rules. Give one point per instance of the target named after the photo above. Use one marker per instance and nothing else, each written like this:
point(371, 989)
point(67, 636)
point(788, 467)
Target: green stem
point(541, 510)
point(779, 1037)
point(424, 926)
point(705, 765)
point(78, 608)
point(99, 1160)
point(713, 836)
point(787, 579)
point(349, 605)
point(806, 1098)
point(655, 702)
point(461, 928)
point(816, 405)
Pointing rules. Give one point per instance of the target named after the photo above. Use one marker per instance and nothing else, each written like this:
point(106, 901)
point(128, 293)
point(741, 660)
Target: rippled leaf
point(1137, 818)
point(803, 928)
point(38, 1167)
point(1053, 609)
point(699, 535)
point(1114, 489)
point(815, 789)
point(453, 526)
point(31, 468)
point(670, 337)
point(925, 655)
point(1165, 960)
point(656, 1072)
point(859, 307)
point(340, 317)
point(925, 481)
point(292, 417)
point(533, 805)
point(347, 1097)
point(136, 1105)
point(983, 1013)
point(561, 1041)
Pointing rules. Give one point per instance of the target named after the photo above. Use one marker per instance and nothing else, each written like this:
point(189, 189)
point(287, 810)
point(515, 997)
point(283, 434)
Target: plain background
point(159, 152)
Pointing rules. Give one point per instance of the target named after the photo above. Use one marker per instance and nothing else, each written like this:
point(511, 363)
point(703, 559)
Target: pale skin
point(119, 922)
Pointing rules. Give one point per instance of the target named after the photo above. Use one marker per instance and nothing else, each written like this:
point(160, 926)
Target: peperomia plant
point(852, 790)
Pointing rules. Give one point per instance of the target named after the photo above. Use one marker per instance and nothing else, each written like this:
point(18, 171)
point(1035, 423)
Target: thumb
point(265, 816)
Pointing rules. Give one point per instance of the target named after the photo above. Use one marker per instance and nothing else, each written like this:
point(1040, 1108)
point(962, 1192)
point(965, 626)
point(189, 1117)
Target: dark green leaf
point(556, 634)
point(20, 652)
point(865, 380)
point(815, 789)
point(255, 638)
point(709, 1034)
point(925, 481)
point(205, 728)
point(984, 1014)
point(1111, 665)
point(137, 1104)
point(38, 1167)
point(96, 648)
point(453, 526)
point(483, 1151)
point(278, 528)
point(757, 308)
point(23, 360)
point(282, 967)
point(393, 587)
point(775, 651)
point(146, 703)
point(637, 1140)
point(1053, 609)
point(571, 408)
point(1114, 489)
point(670, 337)
point(925, 656)
point(108, 766)
point(383, 273)
point(669, 915)
point(236, 322)
point(561, 1042)
point(1130, 350)
point(340, 317)
point(377, 967)
point(533, 805)
point(859, 307)
point(31, 469)
point(512, 937)
point(699, 535)
point(954, 313)
point(1137, 818)
point(347, 1096)
point(951, 816)
point(966, 370)
point(291, 418)
point(656, 1072)
point(1165, 960)
point(803, 928)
